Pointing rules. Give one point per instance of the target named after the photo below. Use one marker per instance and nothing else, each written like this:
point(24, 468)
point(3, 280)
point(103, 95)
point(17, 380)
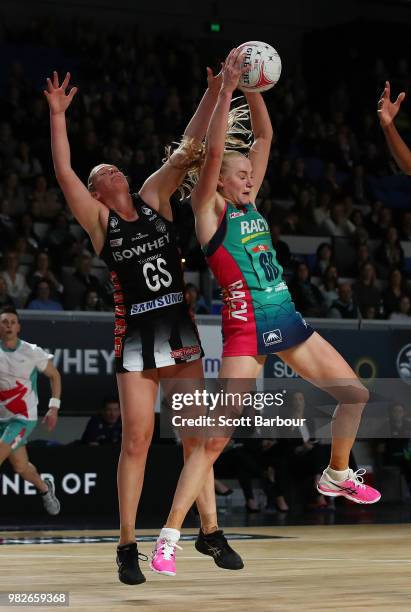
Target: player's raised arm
point(387, 111)
point(164, 182)
point(206, 187)
point(263, 135)
point(84, 207)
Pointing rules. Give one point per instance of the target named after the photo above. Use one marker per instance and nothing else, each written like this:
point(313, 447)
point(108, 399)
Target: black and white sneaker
point(215, 545)
point(129, 571)
point(50, 501)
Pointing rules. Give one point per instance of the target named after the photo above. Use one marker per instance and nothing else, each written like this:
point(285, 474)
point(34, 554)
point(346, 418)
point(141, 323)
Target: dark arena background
point(339, 213)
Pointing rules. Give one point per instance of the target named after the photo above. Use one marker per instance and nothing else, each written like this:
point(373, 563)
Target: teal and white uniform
point(19, 368)
point(259, 316)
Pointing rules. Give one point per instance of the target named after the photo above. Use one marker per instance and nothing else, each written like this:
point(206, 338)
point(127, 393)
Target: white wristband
point(54, 402)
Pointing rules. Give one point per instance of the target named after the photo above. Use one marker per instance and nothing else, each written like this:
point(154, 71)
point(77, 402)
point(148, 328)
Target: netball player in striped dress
point(259, 316)
point(154, 335)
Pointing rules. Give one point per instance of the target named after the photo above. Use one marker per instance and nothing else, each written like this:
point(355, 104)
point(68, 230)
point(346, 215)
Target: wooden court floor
point(356, 567)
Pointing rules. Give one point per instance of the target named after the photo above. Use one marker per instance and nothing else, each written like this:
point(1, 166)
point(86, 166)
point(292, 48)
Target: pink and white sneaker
point(163, 559)
point(352, 488)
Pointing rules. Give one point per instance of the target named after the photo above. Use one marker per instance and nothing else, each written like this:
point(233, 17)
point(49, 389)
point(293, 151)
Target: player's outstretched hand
point(56, 95)
point(388, 110)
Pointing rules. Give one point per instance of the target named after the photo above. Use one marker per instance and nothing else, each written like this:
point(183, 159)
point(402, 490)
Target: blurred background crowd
point(338, 210)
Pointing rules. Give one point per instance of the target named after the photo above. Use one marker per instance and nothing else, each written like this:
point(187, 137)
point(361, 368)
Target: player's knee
point(134, 445)
point(215, 446)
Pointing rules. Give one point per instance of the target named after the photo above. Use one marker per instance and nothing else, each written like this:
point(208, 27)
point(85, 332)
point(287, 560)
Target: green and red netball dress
point(259, 316)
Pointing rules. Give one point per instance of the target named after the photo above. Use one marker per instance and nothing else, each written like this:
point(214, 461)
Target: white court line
point(205, 558)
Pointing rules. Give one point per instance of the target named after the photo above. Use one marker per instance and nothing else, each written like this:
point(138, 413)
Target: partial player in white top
point(20, 363)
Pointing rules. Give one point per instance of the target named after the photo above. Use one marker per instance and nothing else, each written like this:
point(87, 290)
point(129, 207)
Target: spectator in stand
point(324, 258)
point(12, 196)
point(365, 290)
point(329, 286)
point(41, 298)
point(93, 302)
point(306, 296)
point(395, 449)
point(60, 242)
point(104, 428)
point(379, 220)
point(397, 287)
point(281, 248)
point(390, 253)
point(322, 211)
point(26, 229)
point(15, 281)
point(329, 182)
point(362, 257)
point(25, 164)
point(5, 299)
point(344, 307)
point(357, 186)
point(404, 310)
point(303, 454)
point(42, 271)
point(79, 282)
point(338, 224)
point(195, 300)
point(44, 202)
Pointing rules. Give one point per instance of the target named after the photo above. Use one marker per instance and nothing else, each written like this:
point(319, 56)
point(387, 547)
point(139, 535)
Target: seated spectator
point(344, 307)
point(307, 297)
point(61, 243)
point(322, 211)
point(338, 224)
point(390, 253)
point(93, 302)
point(5, 299)
point(44, 201)
point(42, 271)
point(379, 220)
point(397, 287)
point(324, 258)
point(41, 300)
point(329, 285)
point(365, 290)
point(305, 457)
point(362, 257)
point(12, 196)
point(25, 164)
point(15, 281)
point(237, 462)
point(282, 249)
point(195, 300)
point(79, 282)
point(104, 428)
point(357, 185)
point(26, 230)
point(404, 310)
point(395, 449)
point(329, 182)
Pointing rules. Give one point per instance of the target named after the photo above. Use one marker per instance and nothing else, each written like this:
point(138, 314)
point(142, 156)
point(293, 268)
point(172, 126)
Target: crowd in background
point(325, 177)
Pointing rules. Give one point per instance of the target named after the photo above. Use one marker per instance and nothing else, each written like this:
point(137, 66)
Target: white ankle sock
point(338, 475)
point(169, 534)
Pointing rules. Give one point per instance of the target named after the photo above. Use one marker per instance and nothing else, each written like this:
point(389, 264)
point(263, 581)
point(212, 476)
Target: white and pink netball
point(264, 66)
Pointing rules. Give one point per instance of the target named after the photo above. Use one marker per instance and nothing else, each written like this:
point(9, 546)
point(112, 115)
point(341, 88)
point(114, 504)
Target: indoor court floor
point(327, 567)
